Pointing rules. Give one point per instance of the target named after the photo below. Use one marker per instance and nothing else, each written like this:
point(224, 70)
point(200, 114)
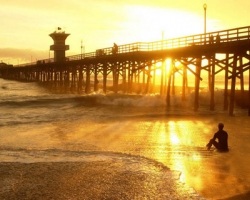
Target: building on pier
point(59, 36)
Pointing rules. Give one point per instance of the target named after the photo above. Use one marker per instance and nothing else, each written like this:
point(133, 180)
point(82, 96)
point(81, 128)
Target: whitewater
point(116, 146)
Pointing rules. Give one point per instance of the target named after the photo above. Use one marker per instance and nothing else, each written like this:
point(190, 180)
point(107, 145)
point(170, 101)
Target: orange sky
point(25, 25)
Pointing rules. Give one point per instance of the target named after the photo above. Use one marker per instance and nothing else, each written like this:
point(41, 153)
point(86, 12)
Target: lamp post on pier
point(82, 50)
point(205, 17)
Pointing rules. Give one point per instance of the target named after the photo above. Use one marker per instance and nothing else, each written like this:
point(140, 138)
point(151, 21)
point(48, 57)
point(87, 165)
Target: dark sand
point(89, 180)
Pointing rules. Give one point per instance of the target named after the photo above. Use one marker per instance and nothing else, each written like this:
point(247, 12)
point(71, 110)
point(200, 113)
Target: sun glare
point(174, 139)
point(154, 23)
point(168, 65)
point(162, 69)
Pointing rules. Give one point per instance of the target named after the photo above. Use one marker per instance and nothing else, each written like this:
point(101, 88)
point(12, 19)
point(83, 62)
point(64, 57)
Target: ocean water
point(38, 125)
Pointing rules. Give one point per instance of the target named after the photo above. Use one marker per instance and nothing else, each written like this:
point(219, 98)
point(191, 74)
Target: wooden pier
point(225, 52)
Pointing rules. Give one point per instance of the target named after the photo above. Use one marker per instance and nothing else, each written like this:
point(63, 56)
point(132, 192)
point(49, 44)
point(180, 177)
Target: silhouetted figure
point(222, 137)
point(218, 38)
point(115, 49)
point(211, 39)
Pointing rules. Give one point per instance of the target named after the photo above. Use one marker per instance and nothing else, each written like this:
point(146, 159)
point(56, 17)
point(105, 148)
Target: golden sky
point(26, 25)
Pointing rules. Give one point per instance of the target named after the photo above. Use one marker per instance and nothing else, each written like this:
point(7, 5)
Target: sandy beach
point(89, 180)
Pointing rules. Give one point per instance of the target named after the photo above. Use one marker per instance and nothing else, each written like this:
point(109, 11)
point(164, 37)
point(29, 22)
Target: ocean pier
point(124, 67)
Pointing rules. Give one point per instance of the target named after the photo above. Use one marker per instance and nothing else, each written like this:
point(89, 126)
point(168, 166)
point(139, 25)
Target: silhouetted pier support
point(173, 80)
point(105, 74)
point(96, 82)
point(212, 75)
point(168, 90)
point(124, 75)
point(170, 75)
point(197, 84)
point(148, 79)
point(115, 78)
point(226, 82)
point(233, 83)
point(87, 83)
point(80, 80)
point(241, 76)
point(184, 82)
point(131, 70)
point(144, 79)
point(163, 74)
point(249, 93)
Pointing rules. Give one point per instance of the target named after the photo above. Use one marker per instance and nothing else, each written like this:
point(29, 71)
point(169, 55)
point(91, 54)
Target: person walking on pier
point(222, 137)
point(211, 39)
point(218, 38)
point(115, 49)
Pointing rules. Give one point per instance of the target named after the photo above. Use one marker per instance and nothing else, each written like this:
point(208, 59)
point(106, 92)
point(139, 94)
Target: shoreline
point(92, 180)
point(89, 180)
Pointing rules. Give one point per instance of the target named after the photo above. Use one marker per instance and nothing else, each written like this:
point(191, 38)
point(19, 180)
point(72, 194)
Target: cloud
point(18, 56)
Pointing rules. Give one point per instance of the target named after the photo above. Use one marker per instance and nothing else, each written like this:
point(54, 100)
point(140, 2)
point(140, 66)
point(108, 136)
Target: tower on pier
point(59, 36)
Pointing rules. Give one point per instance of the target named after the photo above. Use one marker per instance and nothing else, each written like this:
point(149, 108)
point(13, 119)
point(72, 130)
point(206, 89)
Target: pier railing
point(224, 36)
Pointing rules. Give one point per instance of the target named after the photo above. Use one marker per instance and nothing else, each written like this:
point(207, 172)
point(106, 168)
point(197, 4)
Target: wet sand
point(89, 180)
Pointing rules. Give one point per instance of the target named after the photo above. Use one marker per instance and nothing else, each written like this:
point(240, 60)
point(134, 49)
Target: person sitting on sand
point(222, 137)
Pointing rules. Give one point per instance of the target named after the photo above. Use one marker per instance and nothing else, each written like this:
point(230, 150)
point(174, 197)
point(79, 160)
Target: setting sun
point(153, 23)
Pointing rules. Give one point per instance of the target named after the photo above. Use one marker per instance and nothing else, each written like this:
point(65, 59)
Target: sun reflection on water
point(174, 139)
point(179, 148)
